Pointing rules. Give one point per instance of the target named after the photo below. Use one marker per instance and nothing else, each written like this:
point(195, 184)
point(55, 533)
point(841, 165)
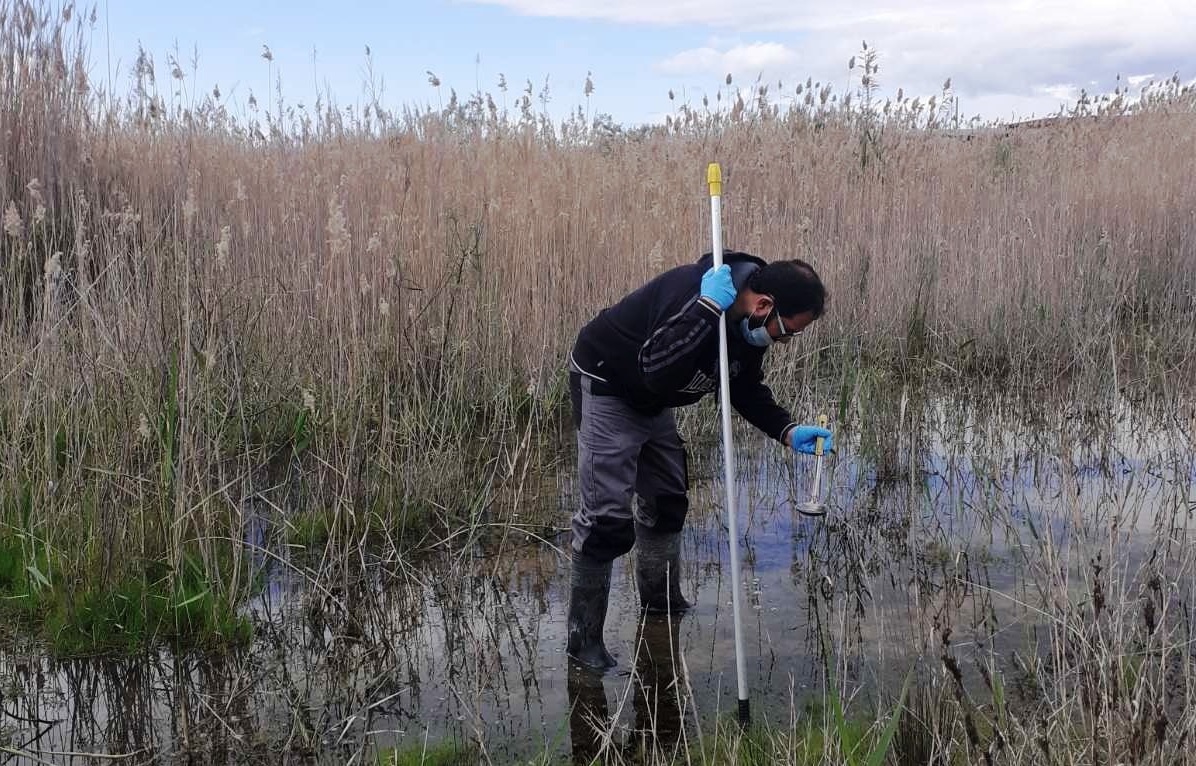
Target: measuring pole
point(714, 179)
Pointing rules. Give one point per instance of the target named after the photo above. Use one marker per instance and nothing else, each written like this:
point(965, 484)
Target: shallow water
point(963, 535)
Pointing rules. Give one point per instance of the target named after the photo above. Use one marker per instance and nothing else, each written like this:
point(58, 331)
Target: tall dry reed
point(368, 312)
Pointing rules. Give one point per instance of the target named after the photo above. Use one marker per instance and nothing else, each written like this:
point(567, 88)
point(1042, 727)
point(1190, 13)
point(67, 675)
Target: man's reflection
point(589, 716)
point(657, 694)
point(658, 685)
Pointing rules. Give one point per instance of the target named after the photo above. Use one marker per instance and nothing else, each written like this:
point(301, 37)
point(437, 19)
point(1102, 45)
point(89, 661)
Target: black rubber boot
point(587, 612)
point(658, 571)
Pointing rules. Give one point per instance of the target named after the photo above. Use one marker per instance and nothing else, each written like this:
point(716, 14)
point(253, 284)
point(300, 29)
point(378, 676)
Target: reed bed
point(353, 322)
point(1032, 576)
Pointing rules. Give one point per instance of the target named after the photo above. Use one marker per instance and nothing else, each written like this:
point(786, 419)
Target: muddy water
point(956, 536)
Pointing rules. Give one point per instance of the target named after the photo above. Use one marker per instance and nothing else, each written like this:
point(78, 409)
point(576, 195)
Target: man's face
point(781, 328)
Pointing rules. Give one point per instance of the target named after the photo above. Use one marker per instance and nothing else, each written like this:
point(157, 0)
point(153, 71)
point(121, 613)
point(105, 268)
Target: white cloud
point(663, 12)
point(1060, 93)
point(752, 58)
point(997, 52)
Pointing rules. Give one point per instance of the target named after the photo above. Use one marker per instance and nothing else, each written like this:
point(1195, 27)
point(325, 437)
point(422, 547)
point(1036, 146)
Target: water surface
point(960, 535)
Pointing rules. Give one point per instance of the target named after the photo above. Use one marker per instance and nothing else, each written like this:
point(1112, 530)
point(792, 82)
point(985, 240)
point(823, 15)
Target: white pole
point(714, 178)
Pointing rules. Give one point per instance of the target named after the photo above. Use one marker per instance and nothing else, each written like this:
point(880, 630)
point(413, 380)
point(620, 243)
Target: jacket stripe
point(663, 357)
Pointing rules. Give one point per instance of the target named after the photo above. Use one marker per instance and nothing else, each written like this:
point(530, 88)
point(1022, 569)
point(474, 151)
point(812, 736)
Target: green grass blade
point(193, 599)
point(846, 746)
point(877, 755)
point(37, 575)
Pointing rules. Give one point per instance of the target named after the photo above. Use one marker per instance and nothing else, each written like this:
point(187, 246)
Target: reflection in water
point(941, 540)
point(658, 688)
point(659, 701)
point(589, 715)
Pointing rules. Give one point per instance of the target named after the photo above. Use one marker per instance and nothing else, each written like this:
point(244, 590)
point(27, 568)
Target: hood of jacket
point(743, 265)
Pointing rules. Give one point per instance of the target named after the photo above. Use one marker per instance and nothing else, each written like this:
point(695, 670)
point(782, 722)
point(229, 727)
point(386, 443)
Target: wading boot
point(587, 612)
point(658, 571)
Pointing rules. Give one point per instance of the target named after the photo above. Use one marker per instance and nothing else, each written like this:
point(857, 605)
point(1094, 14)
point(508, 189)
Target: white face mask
point(756, 336)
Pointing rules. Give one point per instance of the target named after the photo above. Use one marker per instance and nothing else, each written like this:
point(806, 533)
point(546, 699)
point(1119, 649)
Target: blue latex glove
point(718, 288)
point(804, 439)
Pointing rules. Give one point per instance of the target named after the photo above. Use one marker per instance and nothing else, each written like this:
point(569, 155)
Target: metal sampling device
point(814, 506)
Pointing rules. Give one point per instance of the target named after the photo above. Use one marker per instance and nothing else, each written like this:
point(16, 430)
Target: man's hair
point(794, 285)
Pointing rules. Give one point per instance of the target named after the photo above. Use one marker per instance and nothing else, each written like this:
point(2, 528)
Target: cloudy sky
point(1006, 59)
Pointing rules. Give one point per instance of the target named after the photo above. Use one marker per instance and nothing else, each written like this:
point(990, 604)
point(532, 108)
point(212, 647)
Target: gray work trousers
point(624, 454)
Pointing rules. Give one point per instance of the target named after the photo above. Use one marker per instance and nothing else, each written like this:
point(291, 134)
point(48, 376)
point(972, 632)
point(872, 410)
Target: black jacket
point(658, 348)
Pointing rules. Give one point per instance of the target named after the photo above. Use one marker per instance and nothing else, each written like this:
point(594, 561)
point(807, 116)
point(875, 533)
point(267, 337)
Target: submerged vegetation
point(323, 339)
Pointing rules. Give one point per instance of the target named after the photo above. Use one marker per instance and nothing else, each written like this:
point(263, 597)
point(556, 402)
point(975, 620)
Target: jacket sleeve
point(669, 357)
point(753, 399)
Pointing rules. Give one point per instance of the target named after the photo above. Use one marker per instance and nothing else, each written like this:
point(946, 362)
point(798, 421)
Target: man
point(655, 350)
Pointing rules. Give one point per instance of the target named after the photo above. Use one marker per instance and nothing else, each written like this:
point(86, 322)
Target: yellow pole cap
point(714, 177)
